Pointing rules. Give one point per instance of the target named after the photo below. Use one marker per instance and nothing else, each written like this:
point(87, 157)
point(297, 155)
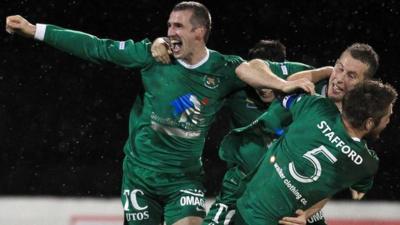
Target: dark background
point(63, 121)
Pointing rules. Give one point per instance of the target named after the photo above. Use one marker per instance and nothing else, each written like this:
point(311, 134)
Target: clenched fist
point(19, 25)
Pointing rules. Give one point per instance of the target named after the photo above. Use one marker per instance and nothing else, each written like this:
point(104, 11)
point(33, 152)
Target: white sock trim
point(40, 31)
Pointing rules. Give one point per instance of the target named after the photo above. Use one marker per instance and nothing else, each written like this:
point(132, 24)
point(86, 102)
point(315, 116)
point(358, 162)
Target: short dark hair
point(201, 16)
point(368, 99)
point(365, 54)
point(267, 49)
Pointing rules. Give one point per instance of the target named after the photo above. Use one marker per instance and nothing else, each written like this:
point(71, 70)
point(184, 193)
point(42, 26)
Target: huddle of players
point(285, 155)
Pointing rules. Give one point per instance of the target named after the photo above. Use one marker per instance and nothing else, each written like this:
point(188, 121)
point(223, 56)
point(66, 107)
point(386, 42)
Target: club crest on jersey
point(211, 82)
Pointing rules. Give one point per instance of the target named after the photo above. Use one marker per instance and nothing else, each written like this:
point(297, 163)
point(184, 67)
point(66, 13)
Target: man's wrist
point(39, 31)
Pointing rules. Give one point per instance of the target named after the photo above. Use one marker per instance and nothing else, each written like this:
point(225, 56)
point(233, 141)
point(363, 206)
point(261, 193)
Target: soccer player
point(321, 153)
point(162, 171)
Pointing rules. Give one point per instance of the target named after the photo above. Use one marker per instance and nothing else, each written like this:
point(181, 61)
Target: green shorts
point(149, 197)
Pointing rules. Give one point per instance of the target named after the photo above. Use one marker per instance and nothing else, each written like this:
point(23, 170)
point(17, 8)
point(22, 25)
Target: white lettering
point(289, 185)
point(192, 200)
point(334, 139)
point(134, 202)
point(292, 188)
point(137, 216)
point(316, 217)
point(321, 125)
point(279, 170)
point(330, 135)
point(358, 160)
point(126, 194)
point(140, 216)
point(340, 144)
point(327, 129)
point(346, 149)
point(222, 208)
point(352, 155)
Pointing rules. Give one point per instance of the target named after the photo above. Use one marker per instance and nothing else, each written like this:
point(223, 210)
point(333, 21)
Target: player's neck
point(195, 61)
point(198, 55)
point(339, 106)
point(351, 131)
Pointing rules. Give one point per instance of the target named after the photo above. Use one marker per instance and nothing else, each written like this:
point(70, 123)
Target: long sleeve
point(124, 53)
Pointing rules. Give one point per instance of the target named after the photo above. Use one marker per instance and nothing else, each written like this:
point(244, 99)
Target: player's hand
point(356, 195)
point(302, 83)
point(161, 51)
point(19, 25)
point(300, 219)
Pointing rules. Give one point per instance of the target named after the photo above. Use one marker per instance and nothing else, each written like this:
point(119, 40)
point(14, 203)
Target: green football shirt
point(169, 121)
point(245, 147)
point(315, 159)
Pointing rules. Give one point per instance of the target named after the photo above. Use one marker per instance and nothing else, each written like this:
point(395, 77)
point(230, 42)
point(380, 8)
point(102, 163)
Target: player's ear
point(369, 124)
point(200, 32)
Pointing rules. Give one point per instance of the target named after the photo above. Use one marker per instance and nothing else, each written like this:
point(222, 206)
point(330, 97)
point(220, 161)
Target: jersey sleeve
point(277, 69)
point(128, 53)
point(321, 87)
point(298, 104)
point(232, 62)
point(364, 185)
point(287, 68)
point(275, 119)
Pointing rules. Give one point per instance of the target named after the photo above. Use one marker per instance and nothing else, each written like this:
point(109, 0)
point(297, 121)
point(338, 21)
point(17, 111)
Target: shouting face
point(184, 36)
point(346, 74)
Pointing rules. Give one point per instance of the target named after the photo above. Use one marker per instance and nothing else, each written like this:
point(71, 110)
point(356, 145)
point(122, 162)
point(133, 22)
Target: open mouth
point(336, 89)
point(265, 93)
point(176, 45)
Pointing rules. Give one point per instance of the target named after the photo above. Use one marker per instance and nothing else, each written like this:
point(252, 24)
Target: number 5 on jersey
point(310, 156)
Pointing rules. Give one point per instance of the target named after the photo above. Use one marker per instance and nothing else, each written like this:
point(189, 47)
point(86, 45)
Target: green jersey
point(315, 159)
point(169, 121)
point(245, 104)
point(245, 147)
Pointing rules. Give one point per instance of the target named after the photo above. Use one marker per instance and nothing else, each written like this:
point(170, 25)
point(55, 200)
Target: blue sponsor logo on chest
point(188, 108)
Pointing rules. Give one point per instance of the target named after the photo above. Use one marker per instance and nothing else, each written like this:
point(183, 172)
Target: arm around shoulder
point(257, 74)
point(313, 75)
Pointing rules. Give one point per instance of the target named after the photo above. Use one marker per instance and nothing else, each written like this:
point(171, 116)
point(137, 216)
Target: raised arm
point(86, 46)
point(258, 75)
point(313, 75)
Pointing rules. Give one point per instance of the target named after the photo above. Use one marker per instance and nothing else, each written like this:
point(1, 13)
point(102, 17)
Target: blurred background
point(64, 121)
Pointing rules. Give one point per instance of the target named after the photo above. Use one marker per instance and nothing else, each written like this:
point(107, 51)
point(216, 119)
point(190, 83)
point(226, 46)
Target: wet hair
point(266, 49)
point(365, 54)
point(368, 99)
point(200, 17)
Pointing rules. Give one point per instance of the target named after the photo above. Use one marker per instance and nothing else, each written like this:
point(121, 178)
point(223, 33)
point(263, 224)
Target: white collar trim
point(188, 66)
point(356, 139)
